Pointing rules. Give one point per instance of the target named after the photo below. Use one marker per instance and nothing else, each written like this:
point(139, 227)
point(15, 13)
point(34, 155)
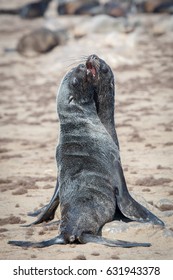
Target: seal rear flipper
point(128, 206)
point(87, 238)
point(56, 240)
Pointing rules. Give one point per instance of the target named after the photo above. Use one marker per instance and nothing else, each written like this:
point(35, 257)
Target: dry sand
point(142, 64)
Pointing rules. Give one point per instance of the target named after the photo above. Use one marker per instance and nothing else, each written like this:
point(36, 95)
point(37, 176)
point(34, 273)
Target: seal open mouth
point(91, 68)
point(93, 65)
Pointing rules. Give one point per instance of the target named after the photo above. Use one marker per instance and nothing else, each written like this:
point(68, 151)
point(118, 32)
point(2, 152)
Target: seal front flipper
point(37, 212)
point(48, 214)
point(48, 211)
point(87, 238)
point(127, 205)
point(56, 240)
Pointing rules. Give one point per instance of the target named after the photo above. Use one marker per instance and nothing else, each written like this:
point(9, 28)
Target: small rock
point(165, 205)
point(80, 257)
point(33, 256)
point(115, 257)
point(119, 226)
point(168, 213)
point(167, 233)
point(95, 254)
point(20, 191)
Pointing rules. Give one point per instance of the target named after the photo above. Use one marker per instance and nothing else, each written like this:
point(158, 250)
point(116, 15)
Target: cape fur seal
point(29, 11)
point(104, 95)
point(87, 161)
point(77, 7)
point(104, 98)
point(41, 40)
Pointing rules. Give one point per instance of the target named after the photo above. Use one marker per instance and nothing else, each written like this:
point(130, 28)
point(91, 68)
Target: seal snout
point(92, 65)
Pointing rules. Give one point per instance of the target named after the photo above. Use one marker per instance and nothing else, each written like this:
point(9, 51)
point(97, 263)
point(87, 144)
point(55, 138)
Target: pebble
point(167, 233)
point(165, 204)
point(119, 226)
point(168, 213)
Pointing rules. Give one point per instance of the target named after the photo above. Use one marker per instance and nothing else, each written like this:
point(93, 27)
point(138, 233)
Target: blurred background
point(39, 42)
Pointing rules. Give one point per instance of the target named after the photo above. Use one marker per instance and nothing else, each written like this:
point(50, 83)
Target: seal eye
point(75, 82)
point(104, 69)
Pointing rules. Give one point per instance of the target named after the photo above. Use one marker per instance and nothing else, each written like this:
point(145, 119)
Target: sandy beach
point(142, 62)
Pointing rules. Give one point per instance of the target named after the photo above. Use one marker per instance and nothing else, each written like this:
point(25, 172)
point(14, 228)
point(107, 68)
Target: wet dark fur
point(87, 161)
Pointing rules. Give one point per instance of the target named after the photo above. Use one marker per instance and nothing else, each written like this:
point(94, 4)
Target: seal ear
point(70, 99)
